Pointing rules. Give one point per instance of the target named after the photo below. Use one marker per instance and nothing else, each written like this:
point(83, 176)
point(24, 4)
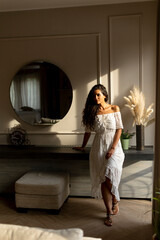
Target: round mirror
point(41, 93)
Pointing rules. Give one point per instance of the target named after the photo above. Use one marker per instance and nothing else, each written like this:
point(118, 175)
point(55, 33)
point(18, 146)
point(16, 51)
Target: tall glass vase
point(140, 137)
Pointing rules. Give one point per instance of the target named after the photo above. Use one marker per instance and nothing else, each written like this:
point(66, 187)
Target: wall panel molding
point(80, 57)
point(65, 36)
point(125, 40)
point(49, 36)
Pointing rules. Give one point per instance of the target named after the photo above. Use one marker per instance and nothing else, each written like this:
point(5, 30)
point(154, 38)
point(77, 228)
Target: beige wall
point(111, 44)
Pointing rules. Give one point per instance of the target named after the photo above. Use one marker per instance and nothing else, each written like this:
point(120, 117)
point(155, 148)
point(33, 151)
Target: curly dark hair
point(91, 108)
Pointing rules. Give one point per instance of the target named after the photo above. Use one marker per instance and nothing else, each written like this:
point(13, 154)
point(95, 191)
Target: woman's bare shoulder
point(115, 108)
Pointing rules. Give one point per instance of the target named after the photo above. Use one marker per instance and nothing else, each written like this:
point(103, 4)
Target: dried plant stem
point(136, 104)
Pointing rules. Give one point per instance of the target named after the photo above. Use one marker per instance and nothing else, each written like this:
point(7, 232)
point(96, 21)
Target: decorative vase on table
point(125, 144)
point(136, 104)
point(140, 137)
point(125, 137)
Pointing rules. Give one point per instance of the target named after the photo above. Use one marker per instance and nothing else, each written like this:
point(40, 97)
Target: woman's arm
point(84, 143)
point(115, 141)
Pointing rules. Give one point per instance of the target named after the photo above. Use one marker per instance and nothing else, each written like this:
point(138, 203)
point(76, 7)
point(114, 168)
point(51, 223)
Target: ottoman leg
point(66, 200)
point(22, 210)
point(53, 211)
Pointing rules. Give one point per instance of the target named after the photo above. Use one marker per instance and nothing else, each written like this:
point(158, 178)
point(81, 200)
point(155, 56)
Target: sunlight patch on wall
point(90, 85)
point(13, 123)
point(104, 81)
point(73, 120)
point(115, 91)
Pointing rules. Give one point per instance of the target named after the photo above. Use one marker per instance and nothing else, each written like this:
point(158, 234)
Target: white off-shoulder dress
point(105, 127)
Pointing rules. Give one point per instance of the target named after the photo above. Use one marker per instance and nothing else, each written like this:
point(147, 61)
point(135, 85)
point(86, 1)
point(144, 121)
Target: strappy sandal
point(108, 220)
point(115, 208)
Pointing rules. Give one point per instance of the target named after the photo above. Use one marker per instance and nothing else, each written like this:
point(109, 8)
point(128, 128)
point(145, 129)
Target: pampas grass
point(136, 104)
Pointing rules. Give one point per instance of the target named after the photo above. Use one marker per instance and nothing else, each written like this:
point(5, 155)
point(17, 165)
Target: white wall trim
point(48, 36)
point(50, 133)
point(63, 36)
point(98, 43)
point(139, 16)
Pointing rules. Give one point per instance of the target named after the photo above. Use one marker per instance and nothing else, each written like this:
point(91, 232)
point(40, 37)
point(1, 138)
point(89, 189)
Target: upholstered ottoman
point(44, 190)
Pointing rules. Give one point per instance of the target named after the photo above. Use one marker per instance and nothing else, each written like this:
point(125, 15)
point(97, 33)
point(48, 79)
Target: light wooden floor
point(133, 222)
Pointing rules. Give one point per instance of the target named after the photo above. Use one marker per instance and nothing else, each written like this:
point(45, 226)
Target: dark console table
point(16, 160)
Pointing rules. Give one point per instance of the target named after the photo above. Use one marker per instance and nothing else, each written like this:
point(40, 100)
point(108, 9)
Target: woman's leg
point(107, 195)
point(115, 207)
point(107, 198)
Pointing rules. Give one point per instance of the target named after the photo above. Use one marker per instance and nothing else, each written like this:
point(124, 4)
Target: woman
point(106, 155)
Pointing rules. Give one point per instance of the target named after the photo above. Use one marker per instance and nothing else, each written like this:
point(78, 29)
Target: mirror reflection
point(41, 93)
